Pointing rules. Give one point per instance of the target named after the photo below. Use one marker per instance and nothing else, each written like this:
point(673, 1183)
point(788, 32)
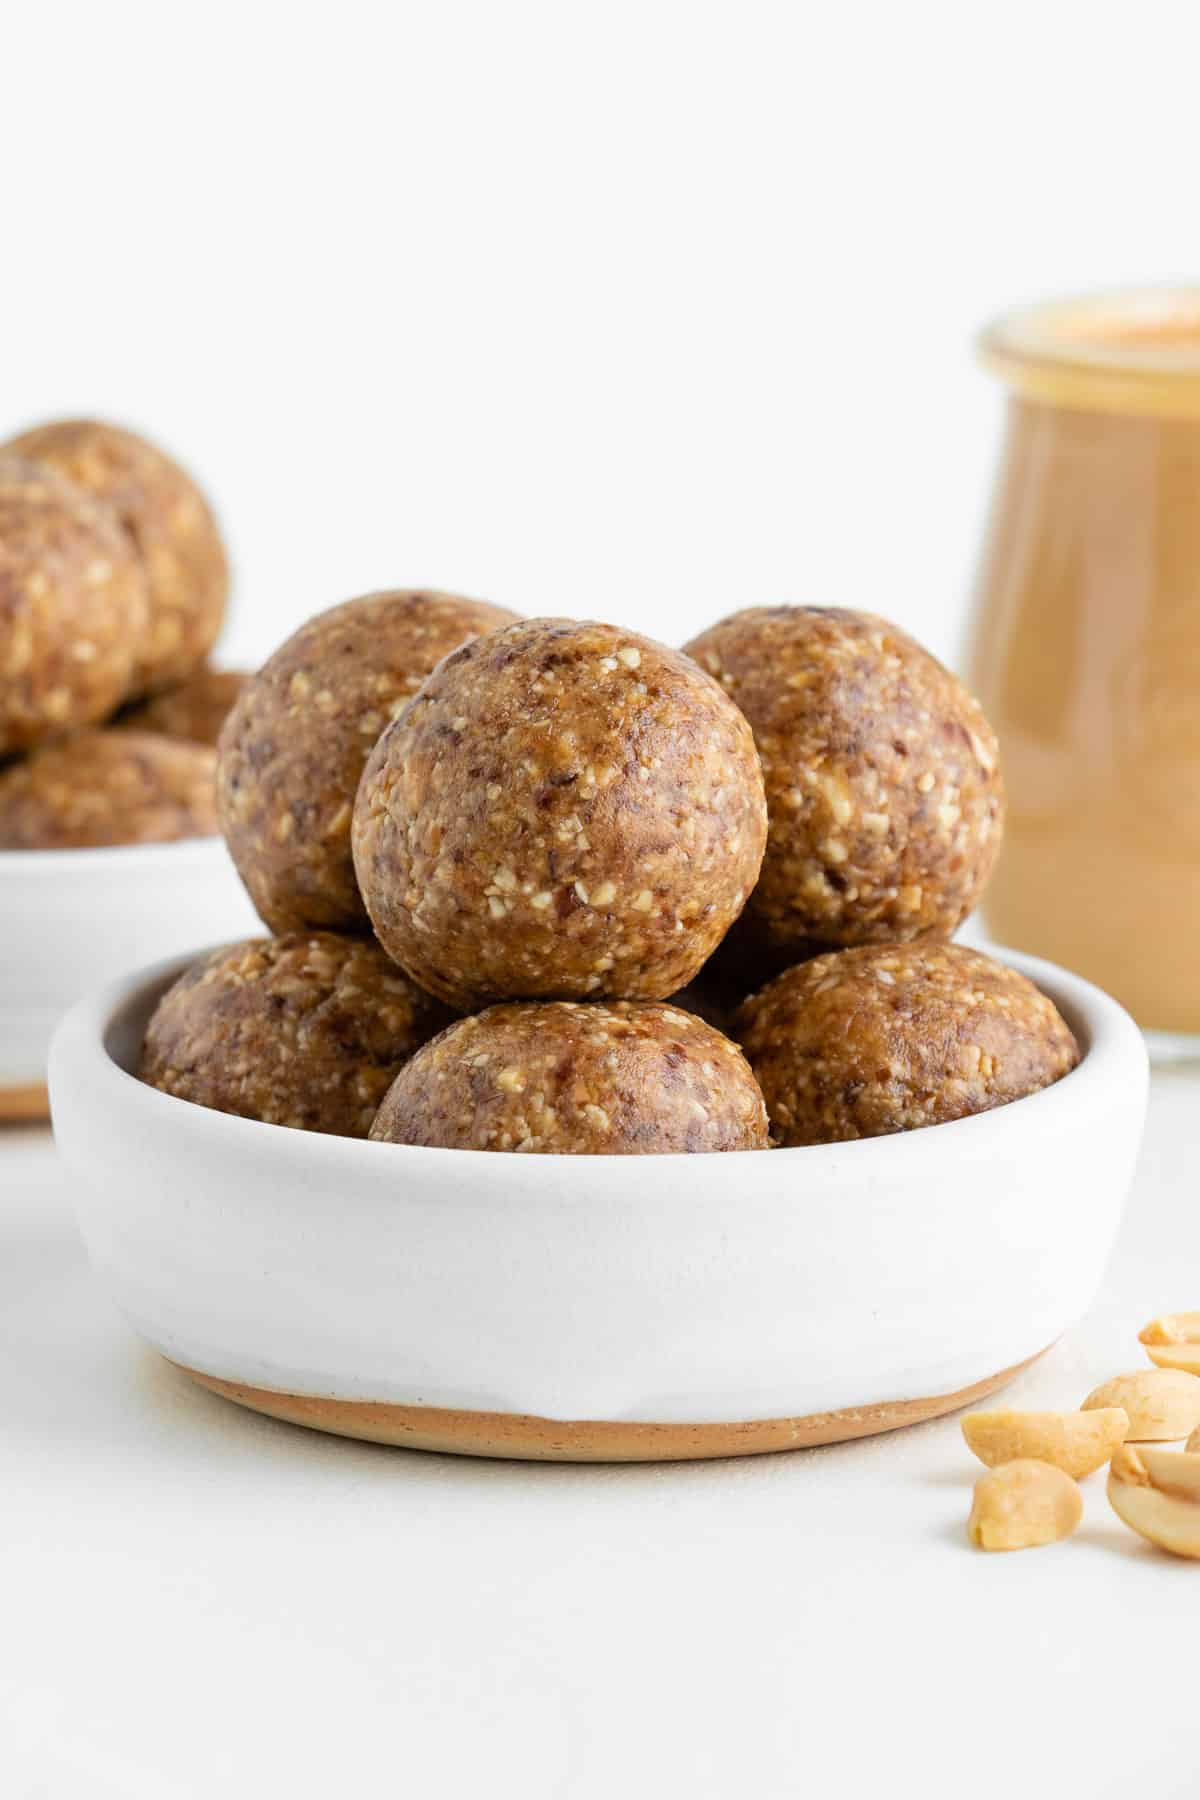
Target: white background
point(637, 311)
point(644, 312)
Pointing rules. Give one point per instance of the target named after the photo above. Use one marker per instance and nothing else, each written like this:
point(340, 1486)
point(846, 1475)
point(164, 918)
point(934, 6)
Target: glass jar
point(1086, 649)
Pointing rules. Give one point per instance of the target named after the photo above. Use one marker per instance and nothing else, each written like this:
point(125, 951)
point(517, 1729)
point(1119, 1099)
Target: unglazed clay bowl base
point(27, 1105)
point(70, 919)
point(590, 1307)
point(528, 1439)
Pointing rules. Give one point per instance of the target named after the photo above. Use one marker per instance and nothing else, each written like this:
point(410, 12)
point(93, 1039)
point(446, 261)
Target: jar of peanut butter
point(1086, 649)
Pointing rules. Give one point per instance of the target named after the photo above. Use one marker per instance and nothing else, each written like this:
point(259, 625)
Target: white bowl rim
point(1108, 1037)
point(102, 856)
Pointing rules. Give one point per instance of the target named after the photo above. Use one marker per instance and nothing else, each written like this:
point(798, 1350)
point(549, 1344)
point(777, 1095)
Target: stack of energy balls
point(113, 587)
point(548, 886)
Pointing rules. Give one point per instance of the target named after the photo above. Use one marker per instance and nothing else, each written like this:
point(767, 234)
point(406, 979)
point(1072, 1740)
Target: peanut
point(1022, 1505)
point(1075, 1442)
point(1172, 1328)
point(1163, 1404)
point(1157, 1494)
point(1173, 1341)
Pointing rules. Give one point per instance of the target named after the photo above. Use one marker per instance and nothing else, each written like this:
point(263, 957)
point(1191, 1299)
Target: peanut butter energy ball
point(882, 777)
point(170, 525)
point(308, 1030)
point(617, 1079)
point(195, 710)
point(108, 787)
point(890, 1037)
point(294, 746)
point(564, 811)
point(73, 606)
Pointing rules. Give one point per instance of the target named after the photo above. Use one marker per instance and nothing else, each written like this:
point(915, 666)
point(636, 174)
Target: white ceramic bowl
point(598, 1306)
point(70, 919)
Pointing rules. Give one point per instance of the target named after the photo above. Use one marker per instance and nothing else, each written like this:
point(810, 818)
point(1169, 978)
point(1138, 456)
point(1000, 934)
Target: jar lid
point(1134, 350)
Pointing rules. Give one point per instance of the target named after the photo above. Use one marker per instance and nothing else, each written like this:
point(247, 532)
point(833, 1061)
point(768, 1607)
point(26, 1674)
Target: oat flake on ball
point(563, 1078)
point(882, 778)
point(293, 748)
point(565, 811)
point(307, 1030)
point(891, 1037)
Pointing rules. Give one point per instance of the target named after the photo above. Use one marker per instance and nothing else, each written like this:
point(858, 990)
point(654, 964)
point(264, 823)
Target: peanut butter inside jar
point(1086, 649)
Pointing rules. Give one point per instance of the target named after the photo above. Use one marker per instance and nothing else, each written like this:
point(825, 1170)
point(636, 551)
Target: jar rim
point(1119, 350)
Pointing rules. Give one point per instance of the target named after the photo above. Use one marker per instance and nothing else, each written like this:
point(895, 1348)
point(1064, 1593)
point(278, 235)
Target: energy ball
point(108, 787)
point(293, 748)
point(308, 1030)
point(891, 1037)
point(194, 711)
point(882, 778)
point(559, 1078)
point(167, 520)
point(73, 606)
point(564, 811)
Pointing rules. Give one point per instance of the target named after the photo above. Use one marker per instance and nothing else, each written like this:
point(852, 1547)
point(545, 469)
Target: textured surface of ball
point(566, 810)
point(108, 787)
point(168, 521)
point(882, 778)
point(293, 748)
point(615, 1079)
point(73, 606)
point(308, 1030)
point(893, 1037)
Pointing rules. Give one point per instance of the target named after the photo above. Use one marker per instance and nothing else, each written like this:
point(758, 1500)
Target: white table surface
point(197, 1602)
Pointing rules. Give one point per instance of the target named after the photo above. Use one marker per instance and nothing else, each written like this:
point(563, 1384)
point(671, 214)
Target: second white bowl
point(70, 919)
